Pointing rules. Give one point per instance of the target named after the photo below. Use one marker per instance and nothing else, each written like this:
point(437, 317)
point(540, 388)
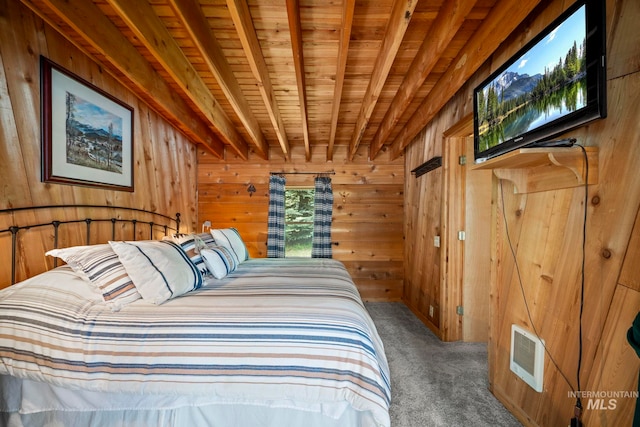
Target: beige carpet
point(434, 383)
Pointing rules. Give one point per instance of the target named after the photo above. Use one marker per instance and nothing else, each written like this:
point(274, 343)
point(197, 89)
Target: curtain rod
point(303, 173)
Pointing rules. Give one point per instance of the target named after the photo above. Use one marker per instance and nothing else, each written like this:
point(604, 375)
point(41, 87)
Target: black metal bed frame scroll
point(14, 229)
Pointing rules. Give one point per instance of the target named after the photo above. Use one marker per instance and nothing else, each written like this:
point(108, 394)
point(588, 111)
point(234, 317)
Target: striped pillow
point(230, 239)
point(192, 244)
point(160, 269)
point(220, 261)
point(100, 266)
point(207, 238)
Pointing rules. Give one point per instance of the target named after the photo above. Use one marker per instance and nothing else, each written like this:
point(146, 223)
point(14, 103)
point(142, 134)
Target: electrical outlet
point(430, 311)
point(436, 241)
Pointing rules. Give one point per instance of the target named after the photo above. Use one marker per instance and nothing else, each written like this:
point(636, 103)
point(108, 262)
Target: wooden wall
point(546, 234)
point(164, 160)
point(423, 206)
point(367, 209)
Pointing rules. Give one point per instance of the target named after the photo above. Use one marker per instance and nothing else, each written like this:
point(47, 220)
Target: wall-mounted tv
point(555, 83)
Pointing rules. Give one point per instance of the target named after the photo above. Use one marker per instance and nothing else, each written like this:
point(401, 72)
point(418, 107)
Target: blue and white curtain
point(275, 231)
point(322, 218)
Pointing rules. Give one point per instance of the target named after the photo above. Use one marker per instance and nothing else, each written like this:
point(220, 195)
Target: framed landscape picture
point(87, 134)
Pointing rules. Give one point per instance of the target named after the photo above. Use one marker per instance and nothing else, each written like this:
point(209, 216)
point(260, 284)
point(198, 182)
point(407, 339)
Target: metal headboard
point(163, 225)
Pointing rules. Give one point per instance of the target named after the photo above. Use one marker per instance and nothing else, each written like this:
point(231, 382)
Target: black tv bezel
point(595, 15)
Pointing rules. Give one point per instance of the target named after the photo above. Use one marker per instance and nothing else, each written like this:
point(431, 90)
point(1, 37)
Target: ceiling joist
point(345, 76)
point(147, 26)
point(348, 7)
point(398, 23)
point(449, 20)
point(95, 28)
point(293, 13)
point(195, 23)
point(241, 16)
point(502, 20)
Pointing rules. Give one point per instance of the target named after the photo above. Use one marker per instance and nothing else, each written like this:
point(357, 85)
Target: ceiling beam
point(348, 7)
point(192, 18)
point(295, 29)
point(503, 19)
point(149, 29)
point(88, 21)
point(445, 26)
point(396, 27)
point(241, 16)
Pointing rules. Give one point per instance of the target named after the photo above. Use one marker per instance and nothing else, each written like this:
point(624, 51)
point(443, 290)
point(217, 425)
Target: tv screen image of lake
point(553, 86)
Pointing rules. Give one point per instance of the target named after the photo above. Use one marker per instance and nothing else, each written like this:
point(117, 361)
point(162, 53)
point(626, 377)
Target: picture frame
point(87, 134)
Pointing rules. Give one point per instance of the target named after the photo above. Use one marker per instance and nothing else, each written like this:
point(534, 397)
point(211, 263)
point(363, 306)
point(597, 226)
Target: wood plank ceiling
point(253, 75)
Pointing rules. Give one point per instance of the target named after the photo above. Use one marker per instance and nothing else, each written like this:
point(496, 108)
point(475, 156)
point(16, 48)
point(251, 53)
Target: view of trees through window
point(298, 204)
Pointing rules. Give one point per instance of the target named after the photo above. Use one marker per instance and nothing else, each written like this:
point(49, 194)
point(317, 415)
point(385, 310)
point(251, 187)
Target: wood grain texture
point(422, 223)
point(545, 230)
point(546, 241)
point(90, 31)
point(617, 364)
point(399, 20)
point(452, 246)
point(195, 23)
point(503, 19)
point(165, 163)
point(241, 16)
point(476, 285)
point(367, 211)
point(629, 275)
point(151, 31)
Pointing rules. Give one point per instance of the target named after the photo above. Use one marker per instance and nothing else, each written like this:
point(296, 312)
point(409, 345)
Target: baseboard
point(424, 320)
point(524, 419)
point(382, 299)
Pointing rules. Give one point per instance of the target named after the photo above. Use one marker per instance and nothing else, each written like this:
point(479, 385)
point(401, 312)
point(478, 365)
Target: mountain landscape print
point(93, 136)
point(544, 84)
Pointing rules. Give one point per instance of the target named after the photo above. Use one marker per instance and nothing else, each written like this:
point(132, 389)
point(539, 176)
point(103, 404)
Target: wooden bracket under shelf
point(543, 169)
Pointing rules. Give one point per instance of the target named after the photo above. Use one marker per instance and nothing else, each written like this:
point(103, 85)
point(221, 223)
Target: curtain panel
point(275, 228)
point(322, 218)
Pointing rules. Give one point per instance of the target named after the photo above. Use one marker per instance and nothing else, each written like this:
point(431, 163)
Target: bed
point(273, 342)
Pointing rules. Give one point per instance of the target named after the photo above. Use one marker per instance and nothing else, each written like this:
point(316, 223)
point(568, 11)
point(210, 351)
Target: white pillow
point(160, 269)
point(230, 239)
point(100, 266)
point(220, 261)
point(207, 238)
point(192, 244)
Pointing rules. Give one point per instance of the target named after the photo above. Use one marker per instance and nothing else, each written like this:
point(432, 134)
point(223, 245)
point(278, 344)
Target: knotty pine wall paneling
point(545, 230)
point(447, 273)
point(422, 224)
point(367, 209)
point(165, 162)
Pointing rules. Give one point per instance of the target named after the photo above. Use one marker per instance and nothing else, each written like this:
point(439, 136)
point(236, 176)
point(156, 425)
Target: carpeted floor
point(434, 383)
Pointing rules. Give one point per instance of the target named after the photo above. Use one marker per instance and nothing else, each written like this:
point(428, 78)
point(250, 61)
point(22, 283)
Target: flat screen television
point(555, 83)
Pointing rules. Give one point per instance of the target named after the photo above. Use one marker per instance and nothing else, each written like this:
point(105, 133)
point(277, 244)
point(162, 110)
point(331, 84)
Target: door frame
point(465, 264)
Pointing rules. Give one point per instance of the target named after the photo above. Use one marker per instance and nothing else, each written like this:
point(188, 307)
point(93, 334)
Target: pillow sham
point(100, 266)
point(159, 269)
point(192, 244)
point(230, 239)
point(220, 261)
point(207, 238)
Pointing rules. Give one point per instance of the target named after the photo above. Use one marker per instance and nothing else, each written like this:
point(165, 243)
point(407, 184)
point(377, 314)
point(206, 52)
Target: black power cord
point(576, 421)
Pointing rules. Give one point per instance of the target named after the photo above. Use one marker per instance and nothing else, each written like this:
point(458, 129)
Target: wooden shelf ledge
point(543, 169)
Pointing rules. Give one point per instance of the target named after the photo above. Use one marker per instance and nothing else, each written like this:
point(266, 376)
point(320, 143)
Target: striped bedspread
point(276, 332)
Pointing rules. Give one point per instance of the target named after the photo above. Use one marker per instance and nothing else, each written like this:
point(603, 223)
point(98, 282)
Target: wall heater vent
point(527, 357)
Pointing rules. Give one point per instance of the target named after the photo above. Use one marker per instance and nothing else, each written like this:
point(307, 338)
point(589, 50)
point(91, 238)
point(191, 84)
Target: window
point(298, 234)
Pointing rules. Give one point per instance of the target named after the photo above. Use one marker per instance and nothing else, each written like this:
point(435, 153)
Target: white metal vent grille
point(527, 357)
